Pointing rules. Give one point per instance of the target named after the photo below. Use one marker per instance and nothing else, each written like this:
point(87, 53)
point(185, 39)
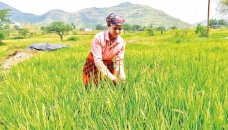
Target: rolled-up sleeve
point(97, 55)
point(96, 50)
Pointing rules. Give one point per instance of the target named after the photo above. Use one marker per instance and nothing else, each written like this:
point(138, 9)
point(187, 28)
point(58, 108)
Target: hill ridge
point(134, 14)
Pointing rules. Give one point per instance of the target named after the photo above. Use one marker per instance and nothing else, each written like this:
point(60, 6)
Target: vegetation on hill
point(90, 17)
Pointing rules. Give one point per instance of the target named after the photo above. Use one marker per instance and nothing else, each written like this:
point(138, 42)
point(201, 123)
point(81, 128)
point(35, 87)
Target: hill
point(90, 17)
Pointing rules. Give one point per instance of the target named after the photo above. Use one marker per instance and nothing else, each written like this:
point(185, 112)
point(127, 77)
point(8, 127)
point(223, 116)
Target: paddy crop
point(169, 85)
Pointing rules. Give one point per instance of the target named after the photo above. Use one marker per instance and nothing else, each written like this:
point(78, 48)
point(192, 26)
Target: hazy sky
point(191, 11)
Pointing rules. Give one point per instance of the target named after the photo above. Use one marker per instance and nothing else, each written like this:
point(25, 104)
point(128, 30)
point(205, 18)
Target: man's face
point(115, 30)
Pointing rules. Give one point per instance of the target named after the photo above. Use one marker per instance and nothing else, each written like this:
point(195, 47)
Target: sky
point(190, 11)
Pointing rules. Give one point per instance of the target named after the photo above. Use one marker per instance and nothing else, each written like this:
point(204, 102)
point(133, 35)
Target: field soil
point(17, 57)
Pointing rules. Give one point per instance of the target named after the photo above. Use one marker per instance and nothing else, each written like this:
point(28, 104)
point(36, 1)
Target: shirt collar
point(107, 37)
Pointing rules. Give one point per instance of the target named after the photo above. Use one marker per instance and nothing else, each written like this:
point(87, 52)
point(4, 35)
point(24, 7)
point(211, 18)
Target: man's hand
point(115, 81)
point(118, 81)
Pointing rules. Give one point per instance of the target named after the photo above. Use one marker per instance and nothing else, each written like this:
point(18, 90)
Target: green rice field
point(175, 80)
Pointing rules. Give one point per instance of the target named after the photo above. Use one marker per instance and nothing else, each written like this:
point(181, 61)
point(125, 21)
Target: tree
point(23, 31)
point(221, 22)
point(100, 27)
point(58, 27)
point(136, 27)
point(161, 28)
point(2, 36)
point(16, 27)
point(4, 23)
point(223, 7)
point(4, 18)
point(213, 22)
point(73, 25)
point(224, 2)
point(174, 28)
point(127, 27)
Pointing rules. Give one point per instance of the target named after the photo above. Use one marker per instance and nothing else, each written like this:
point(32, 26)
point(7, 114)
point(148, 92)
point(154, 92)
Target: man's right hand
point(117, 81)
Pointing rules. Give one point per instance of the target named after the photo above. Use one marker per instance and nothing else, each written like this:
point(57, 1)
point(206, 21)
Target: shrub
point(2, 36)
point(72, 38)
point(150, 31)
point(23, 31)
point(201, 31)
point(18, 37)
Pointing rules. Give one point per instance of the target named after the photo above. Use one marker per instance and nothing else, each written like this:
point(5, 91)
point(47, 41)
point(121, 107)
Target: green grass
point(169, 85)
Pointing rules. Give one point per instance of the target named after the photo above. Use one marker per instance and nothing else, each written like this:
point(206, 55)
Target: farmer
point(106, 46)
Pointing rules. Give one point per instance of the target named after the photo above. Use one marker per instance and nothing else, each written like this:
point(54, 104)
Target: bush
point(201, 31)
point(72, 38)
point(150, 31)
point(179, 36)
point(19, 37)
point(23, 31)
point(2, 36)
